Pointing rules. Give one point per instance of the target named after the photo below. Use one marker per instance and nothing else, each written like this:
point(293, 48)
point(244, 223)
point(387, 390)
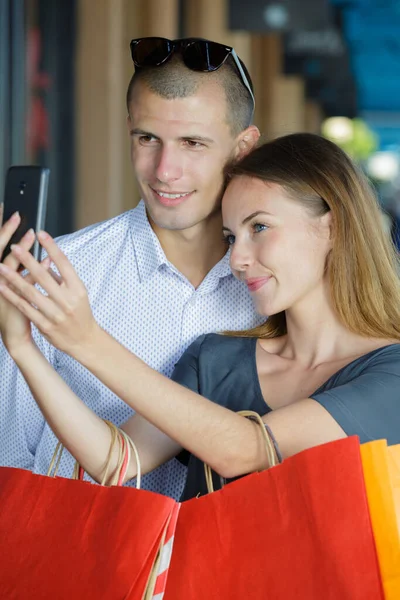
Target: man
point(157, 276)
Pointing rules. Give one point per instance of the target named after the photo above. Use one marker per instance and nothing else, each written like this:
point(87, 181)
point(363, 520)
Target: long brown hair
point(363, 265)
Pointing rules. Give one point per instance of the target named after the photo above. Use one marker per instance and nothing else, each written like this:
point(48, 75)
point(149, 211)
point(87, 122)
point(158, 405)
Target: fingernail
point(15, 216)
point(3, 268)
point(16, 249)
point(42, 235)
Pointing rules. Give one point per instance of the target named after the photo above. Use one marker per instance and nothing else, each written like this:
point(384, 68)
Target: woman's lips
point(256, 283)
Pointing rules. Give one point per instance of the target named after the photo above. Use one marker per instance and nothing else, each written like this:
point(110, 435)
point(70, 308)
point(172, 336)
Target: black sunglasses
point(197, 54)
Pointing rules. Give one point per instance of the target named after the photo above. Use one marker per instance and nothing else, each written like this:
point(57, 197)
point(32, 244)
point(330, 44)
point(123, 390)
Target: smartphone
point(26, 191)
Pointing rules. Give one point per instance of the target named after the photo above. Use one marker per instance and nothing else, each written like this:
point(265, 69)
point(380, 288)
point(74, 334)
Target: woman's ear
point(326, 224)
point(247, 140)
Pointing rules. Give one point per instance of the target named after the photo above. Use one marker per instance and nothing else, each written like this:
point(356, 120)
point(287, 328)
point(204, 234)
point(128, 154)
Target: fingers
point(20, 287)
point(7, 231)
point(38, 274)
point(56, 277)
point(26, 244)
point(68, 274)
point(62, 263)
point(46, 262)
point(28, 277)
point(24, 307)
point(46, 265)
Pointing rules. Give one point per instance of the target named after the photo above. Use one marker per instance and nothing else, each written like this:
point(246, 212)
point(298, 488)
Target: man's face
point(178, 149)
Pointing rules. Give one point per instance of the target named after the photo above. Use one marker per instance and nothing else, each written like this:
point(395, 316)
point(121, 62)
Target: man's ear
point(247, 140)
point(128, 123)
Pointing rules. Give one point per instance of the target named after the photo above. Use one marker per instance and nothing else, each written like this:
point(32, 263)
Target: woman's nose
point(240, 256)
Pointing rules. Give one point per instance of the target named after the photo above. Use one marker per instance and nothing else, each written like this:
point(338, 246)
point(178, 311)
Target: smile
point(169, 199)
point(256, 283)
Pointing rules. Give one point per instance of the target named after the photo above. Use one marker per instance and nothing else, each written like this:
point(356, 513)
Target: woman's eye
point(258, 227)
point(229, 239)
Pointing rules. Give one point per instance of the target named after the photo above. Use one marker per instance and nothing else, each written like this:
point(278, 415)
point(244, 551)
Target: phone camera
point(22, 187)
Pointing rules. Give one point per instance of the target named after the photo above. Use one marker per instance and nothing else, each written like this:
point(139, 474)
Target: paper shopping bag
point(394, 466)
point(381, 466)
point(67, 539)
point(300, 530)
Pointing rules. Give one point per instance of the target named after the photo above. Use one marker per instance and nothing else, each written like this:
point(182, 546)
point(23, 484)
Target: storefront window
point(37, 44)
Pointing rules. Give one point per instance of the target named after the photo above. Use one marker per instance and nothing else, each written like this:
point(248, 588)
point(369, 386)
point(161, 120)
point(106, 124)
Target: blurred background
point(323, 66)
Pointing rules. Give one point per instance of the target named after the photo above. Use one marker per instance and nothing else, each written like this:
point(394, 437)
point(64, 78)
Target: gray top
point(363, 397)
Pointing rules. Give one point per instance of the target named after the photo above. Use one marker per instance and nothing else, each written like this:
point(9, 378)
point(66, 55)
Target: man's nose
point(169, 165)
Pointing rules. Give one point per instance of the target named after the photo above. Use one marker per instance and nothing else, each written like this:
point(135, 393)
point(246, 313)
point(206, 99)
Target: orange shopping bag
point(300, 530)
point(381, 464)
point(69, 539)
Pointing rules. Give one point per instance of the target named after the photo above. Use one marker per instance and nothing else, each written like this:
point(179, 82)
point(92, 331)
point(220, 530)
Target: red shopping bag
point(300, 530)
point(74, 540)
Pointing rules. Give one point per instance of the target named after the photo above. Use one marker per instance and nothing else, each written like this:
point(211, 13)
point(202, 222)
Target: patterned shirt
point(142, 300)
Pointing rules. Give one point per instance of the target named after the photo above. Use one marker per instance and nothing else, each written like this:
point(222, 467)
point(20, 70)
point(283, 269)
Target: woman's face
point(277, 247)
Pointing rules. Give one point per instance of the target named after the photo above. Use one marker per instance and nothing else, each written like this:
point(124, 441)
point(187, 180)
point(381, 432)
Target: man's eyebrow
point(137, 131)
point(193, 138)
point(198, 138)
point(247, 219)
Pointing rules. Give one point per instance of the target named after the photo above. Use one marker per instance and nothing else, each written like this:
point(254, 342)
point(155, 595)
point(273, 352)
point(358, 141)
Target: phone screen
point(26, 192)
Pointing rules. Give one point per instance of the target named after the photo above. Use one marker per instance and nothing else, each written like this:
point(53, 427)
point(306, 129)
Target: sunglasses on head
point(197, 54)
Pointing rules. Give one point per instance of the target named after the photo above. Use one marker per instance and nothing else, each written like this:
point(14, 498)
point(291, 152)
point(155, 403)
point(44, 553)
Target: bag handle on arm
point(125, 449)
point(273, 454)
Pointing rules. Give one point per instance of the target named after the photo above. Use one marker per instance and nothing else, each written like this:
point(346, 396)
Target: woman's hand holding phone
point(15, 328)
point(63, 316)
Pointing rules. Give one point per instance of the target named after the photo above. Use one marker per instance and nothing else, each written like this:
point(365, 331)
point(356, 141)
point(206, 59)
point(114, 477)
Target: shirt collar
point(222, 268)
point(149, 254)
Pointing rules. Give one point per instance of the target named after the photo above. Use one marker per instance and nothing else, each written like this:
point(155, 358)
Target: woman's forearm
point(230, 444)
point(80, 430)
point(227, 442)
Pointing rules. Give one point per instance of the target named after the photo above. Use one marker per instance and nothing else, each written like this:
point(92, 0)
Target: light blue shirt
point(141, 299)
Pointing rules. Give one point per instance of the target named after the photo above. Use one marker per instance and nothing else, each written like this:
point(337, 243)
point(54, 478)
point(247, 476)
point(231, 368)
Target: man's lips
point(255, 283)
point(171, 198)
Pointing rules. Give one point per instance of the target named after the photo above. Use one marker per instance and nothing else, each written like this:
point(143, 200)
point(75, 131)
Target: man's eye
point(147, 139)
point(194, 144)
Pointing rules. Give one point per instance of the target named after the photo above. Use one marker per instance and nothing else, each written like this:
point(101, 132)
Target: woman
point(306, 236)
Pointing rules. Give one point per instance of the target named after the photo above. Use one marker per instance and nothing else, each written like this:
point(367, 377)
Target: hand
point(64, 316)
point(15, 328)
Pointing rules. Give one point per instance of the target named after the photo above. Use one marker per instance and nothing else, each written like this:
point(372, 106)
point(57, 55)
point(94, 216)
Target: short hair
point(362, 266)
point(174, 79)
